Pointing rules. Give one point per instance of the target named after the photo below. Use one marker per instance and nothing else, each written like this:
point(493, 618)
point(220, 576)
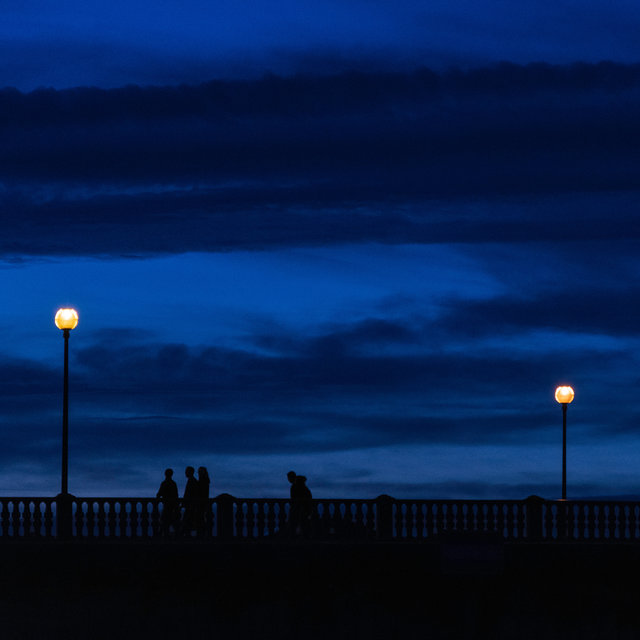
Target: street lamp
point(564, 396)
point(66, 320)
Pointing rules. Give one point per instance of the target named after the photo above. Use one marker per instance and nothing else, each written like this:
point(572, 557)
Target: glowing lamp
point(564, 395)
point(66, 319)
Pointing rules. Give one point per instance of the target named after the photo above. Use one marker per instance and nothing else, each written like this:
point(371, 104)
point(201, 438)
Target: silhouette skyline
point(370, 253)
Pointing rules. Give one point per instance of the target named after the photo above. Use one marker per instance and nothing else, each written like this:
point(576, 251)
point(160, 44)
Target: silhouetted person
point(301, 505)
point(190, 502)
point(204, 514)
point(168, 493)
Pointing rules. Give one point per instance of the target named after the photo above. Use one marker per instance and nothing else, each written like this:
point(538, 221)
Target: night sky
point(364, 240)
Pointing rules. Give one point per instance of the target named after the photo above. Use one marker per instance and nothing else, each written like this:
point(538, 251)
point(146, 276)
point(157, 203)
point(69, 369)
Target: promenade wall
point(307, 589)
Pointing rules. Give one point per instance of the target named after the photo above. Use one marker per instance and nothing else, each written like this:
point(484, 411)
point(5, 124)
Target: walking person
point(301, 507)
point(190, 502)
point(168, 495)
point(204, 508)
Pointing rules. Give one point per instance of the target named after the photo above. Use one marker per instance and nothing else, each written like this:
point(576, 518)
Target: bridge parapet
point(384, 518)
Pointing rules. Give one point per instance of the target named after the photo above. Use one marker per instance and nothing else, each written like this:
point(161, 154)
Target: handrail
point(383, 518)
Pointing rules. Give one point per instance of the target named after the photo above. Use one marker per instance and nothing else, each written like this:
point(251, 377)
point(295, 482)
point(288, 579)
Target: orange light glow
point(66, 319)
point(564, 395)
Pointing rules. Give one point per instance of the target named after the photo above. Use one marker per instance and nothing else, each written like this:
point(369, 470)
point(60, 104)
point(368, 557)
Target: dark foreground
point(318, 590)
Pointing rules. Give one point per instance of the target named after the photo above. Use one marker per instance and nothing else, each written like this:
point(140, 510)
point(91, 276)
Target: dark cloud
point(315, 160)
point(320, 96)
point(575, 308)
point(346, 388)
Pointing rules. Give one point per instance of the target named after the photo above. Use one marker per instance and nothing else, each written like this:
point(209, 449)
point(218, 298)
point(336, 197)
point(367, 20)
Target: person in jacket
point(190, 502)
point(168, 495)
point(204, 508)
point(301, 506)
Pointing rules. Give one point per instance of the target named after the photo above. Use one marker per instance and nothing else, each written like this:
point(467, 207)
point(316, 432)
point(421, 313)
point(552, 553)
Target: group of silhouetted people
point(195, 512)
point(194, 515)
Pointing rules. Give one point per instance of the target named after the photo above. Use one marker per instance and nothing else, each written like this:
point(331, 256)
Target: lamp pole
point(66, 320)
point(564, 395)
point(65, 415)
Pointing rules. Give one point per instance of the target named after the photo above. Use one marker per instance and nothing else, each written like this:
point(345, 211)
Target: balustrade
point(383, 518)
point(27, 517)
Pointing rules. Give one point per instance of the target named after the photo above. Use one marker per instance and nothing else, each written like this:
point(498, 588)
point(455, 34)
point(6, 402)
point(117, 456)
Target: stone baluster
point(438, 518)
point(373, 518)
point(493, 519)
point(337, 521)
point(101, 519)
point(416, 520)
point(144, 518)
point(15, 518)
point(155, 518)
point(623, 521)
point(78, 519)
point(48, 519)
point(424, 519)
point(473, 515)
point(429, 524)
point(602, 522)
point(463, 522)
point(271, 518)
point(261, 517)
point(448, 515)
point(250, 519)
point(26, 518)
point(569, 519)
point(111, 518)
point(561, 520)
point(90, 518)
point(612, 522)
point(370, 522)
point(131, 519)
point(121, 518)
point(146, 530)
point(351, 513)
point(632, 522)
point(240, 519)
point(498, 518)
point(480, 516)
point(580, 521)
point(134, 518)
point(509, 521)
point(520, 520)
point(592, 521)
point(37, 519)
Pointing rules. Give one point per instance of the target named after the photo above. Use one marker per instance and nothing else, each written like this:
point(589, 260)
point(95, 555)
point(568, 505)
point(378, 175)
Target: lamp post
point(66, 320)
point(564, 396)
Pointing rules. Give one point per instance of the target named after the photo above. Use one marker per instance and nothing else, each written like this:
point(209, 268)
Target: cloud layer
point(424, 157)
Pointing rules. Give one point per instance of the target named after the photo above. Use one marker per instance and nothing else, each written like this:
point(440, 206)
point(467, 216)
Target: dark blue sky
point(354, 239)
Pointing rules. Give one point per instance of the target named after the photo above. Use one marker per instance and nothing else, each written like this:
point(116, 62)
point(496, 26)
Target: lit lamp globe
point(66, 319)
point(564, 395)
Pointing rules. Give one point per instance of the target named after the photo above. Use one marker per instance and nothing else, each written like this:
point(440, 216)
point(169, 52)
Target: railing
point(384, 518)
